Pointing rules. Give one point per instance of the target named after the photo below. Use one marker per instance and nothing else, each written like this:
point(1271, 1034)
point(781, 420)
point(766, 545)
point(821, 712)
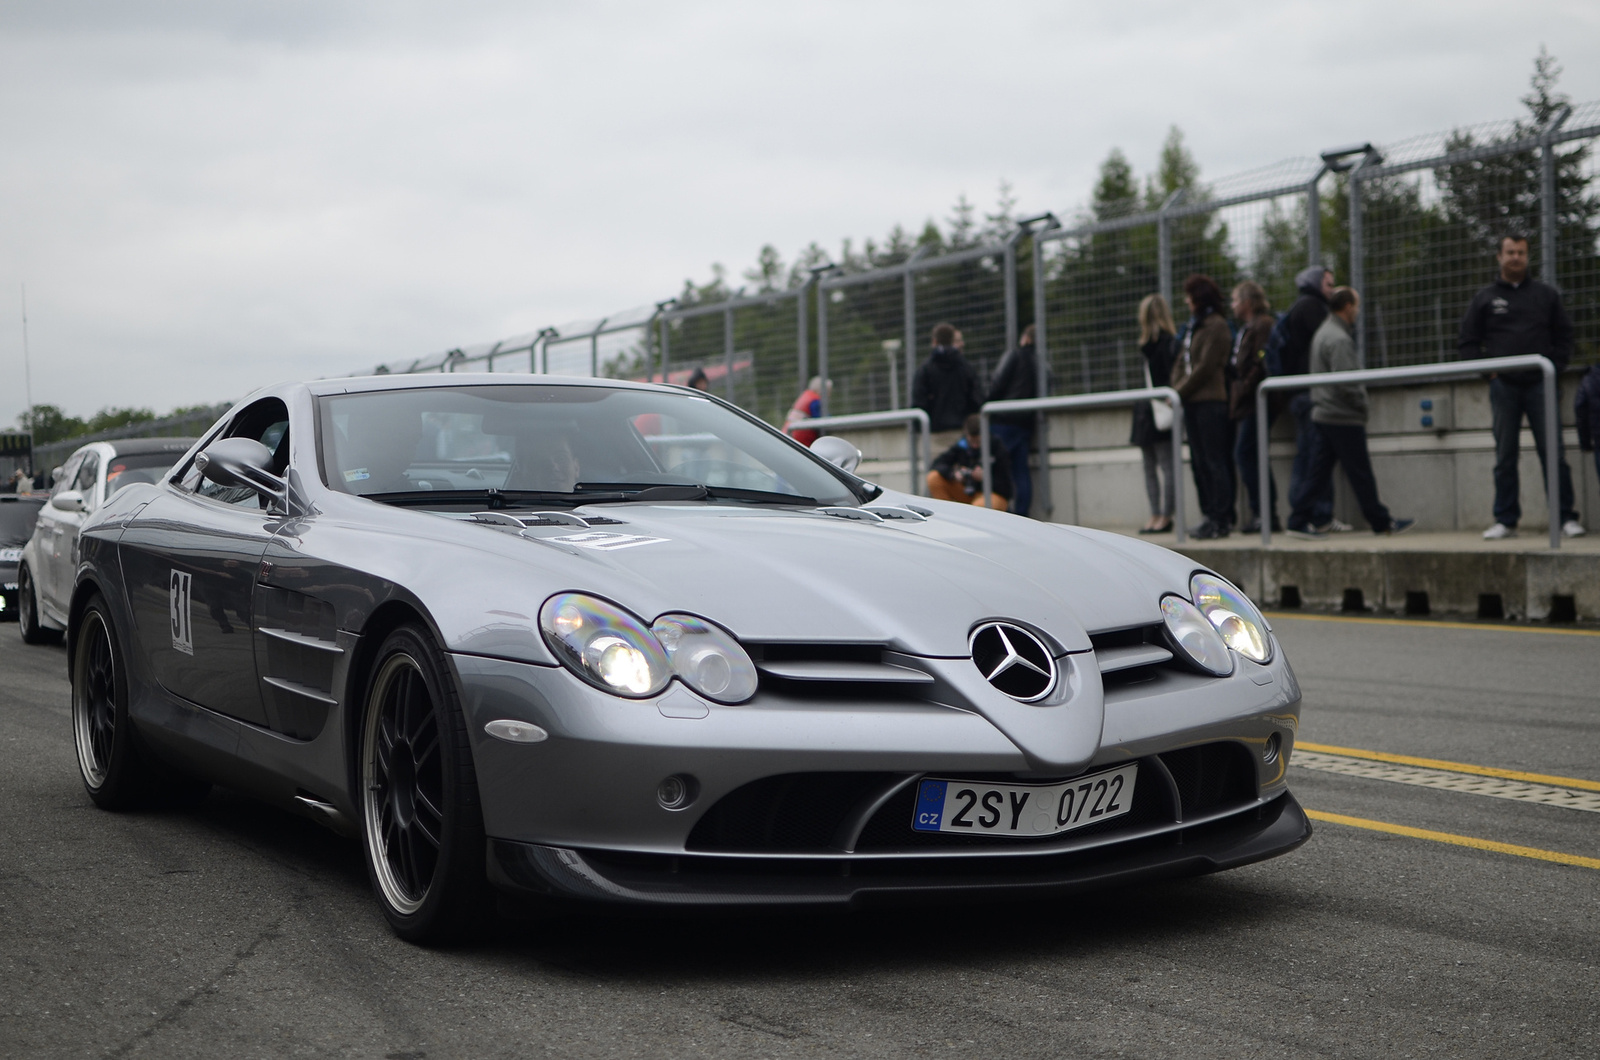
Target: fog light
point(676, 792)
point(1269, 753)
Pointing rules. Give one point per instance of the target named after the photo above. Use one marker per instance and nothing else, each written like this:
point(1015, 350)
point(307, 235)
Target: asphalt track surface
point(237, 930)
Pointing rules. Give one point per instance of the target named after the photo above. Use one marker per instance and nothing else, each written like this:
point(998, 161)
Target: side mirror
point(69, 501)
point(837, 452)
point(240, 462)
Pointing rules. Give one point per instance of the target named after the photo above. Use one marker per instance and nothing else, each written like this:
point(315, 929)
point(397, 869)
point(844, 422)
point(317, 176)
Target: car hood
point(803, 576)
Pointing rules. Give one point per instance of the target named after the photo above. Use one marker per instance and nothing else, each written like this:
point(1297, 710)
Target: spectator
point(1017, 378)
point(1198, 377)
point(698, 380)
point(1586, 408)
point(1246, 371)
point(1156, 336)
point(945, 386)
point(808, 406)
point(957, 476)
point(1519, 315)
point(1340, 415)
point(1308, 313)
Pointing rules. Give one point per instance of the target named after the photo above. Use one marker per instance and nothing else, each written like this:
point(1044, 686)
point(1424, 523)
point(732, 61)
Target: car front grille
point(813, 813)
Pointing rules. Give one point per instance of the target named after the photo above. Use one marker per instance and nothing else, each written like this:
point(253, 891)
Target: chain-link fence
point(872, 325)
point(752, 349)
point(1417, 238)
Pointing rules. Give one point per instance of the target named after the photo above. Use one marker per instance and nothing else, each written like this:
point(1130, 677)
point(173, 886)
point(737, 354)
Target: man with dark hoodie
point(1017, 378)
point(1315, 285)
point(945, 386)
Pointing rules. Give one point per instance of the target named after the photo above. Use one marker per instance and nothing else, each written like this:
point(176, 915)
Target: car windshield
point(544, 444)
point(16, 521)
point(137, 467)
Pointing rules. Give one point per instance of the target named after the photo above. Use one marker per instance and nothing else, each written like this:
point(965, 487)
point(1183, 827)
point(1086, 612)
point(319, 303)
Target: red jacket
point(808, 406)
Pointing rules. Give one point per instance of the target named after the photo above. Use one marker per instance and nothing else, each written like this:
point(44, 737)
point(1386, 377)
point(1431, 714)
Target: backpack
point(1275, 344)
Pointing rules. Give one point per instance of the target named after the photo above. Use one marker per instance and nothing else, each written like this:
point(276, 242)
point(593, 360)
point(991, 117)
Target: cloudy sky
point(203, 197)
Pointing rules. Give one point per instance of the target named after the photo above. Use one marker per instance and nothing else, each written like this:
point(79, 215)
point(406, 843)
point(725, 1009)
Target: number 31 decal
point(178, 608)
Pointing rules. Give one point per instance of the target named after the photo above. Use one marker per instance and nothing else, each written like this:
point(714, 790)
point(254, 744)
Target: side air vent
point(836, 671)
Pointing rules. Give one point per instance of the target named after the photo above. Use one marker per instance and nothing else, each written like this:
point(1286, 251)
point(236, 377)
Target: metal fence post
point(1041, 357)
point(594, 348)
point(1009, 263)
point(1358, 273)
point(802, 342)
point(727, 351)
point(910, 321)
point(1548, 205)
point(822, 346)
point(1314, 218)
point(1164, 245)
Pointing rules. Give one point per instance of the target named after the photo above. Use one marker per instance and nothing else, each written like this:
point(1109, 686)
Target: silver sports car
point(575, 639)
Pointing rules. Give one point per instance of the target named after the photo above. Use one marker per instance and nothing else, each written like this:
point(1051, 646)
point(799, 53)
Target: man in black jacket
point(1315, 285)
point(1017, 378)
point(945, 386)
point(1519, 315)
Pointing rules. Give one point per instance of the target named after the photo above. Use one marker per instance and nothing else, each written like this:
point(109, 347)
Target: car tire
point(116, 771)
point(422, 822)
point(28, 611)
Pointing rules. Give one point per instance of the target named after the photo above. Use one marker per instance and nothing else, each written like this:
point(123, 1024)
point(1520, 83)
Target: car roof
point(430, 380)
point(141, 446)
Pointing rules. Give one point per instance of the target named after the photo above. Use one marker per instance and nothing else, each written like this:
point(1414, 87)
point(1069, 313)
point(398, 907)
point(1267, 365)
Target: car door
point(191, 559)
point(49, 533)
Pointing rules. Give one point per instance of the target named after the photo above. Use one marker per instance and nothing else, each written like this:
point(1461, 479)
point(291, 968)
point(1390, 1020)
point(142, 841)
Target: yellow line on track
point(1479, 626)
point(1456, 840)
point(1452, 767)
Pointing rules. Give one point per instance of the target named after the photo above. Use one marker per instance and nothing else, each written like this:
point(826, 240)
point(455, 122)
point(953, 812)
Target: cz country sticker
point(178, 599)
point(604, 540)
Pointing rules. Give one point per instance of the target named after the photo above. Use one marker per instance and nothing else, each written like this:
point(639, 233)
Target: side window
point(267, 421)
point(88, 471)
point(69, 472)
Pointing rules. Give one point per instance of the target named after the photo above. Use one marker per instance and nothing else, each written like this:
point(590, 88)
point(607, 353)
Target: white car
point(85, 482)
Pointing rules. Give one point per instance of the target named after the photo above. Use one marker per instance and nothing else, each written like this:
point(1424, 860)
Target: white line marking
point(1494, 787)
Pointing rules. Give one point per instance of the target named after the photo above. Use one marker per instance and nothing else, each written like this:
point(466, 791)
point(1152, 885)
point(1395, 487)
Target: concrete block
point(1574, 575)
point(1455, 580)
point(1103, 428)
point(1471, 400)
point(1474, 489)
point(1064, 495)
point(1323, 577)
point(1111, 494)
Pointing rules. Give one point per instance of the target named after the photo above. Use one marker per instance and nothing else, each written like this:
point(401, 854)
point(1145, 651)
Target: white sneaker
point(1573, 528)
point(1499, 531)
point(1339, 526)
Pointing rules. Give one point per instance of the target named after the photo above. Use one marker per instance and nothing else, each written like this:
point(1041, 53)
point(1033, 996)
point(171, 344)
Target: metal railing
point(1112, 399)
point(1419, 374)
point(918, 435)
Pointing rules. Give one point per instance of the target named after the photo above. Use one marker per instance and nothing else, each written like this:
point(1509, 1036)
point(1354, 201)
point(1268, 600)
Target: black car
point(18, 513)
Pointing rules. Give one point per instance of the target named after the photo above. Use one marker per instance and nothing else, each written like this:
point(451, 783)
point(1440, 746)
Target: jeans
point(1509, 402)
point(1158, 472)
point(1319, 505)
point(1346, 445)
point(1210, 434)
point(1244, 454)
point(1017, 441)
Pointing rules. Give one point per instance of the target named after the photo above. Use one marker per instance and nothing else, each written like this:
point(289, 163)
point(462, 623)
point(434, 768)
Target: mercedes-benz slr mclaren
point(545, 640)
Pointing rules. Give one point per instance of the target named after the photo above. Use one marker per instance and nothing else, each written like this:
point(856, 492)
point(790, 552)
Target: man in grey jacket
point(1339, 413)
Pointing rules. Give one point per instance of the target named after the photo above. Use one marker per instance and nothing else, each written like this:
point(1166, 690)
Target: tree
point(108, 418)
point(49, 424)
point(768, 270)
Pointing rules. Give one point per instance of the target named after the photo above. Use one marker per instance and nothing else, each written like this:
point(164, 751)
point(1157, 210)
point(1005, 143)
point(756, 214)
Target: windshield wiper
point(736, 493)
point(491, 498)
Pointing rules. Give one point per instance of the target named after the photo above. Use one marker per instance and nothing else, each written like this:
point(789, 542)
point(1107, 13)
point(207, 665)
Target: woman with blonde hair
point(1157, 339)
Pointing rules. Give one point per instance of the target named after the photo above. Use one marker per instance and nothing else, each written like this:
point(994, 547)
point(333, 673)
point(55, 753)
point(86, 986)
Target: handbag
point(1159, 409)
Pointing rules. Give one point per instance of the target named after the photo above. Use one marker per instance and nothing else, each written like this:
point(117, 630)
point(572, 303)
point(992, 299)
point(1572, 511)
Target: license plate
point(980, 808)
point(10, 555)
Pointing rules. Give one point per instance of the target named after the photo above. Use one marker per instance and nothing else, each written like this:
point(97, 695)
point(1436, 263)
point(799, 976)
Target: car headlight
point(708, 659)
point(1196, 636)
point(1235, 617)
point(604, 645)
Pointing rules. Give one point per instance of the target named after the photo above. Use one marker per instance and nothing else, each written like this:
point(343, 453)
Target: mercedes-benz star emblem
point(1014, 661)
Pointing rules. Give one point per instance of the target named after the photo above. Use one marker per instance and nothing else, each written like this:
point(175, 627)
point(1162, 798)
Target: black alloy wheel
point(28, 611)
point(419, 796)
point(118, 772)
